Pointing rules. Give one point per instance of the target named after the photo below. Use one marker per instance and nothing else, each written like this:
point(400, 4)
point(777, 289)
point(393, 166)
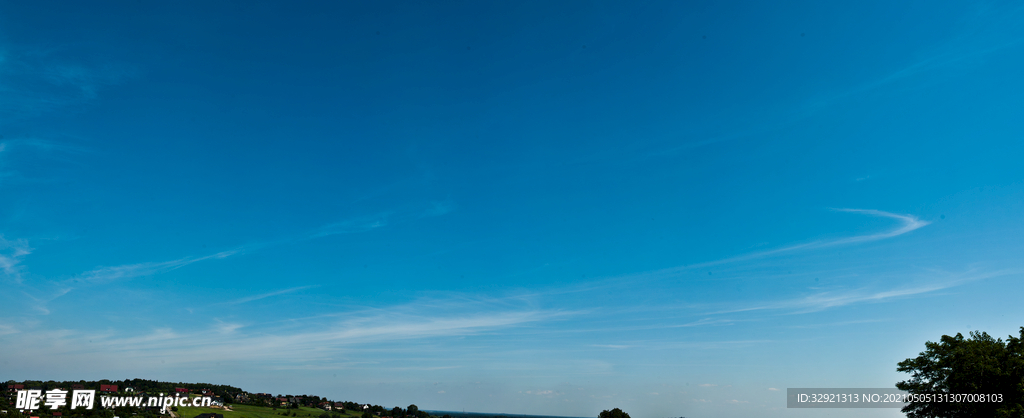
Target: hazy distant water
point(456, 414)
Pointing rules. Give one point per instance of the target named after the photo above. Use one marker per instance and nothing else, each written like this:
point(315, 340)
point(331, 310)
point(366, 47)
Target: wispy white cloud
point(86, 80)
point(41, 297)
point(11, 145)
point(131, 271)
point(228, 328)
point(398, 328)
point(34, 81)
point(17, 153)
point(993, 30)
point(16, 249)
point(7, 329)
point(11, 254)
point(842, 323)
point(823, 300)
point(543, 392)
point(298, 345)
point(267, 295)
point(382, 219)
point(612, 346)
point(352, 226)
point(702, 322)
point(907, 223)
point(438, 208)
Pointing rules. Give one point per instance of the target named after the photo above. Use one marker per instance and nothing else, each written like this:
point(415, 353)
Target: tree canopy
point(976, 365)
point(614, 413)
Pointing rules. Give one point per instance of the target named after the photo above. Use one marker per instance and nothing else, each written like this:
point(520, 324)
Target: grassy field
point(247, 411)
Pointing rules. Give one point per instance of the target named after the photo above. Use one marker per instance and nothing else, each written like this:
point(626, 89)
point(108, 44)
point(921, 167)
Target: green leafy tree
point(414, 411)
point(975, 365)
point(614, 413)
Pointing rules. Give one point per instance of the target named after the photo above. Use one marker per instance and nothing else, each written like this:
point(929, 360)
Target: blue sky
point(678, 209)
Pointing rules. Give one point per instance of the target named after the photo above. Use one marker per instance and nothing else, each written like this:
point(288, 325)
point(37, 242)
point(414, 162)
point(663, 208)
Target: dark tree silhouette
point(976, 365)
point(614, 413)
